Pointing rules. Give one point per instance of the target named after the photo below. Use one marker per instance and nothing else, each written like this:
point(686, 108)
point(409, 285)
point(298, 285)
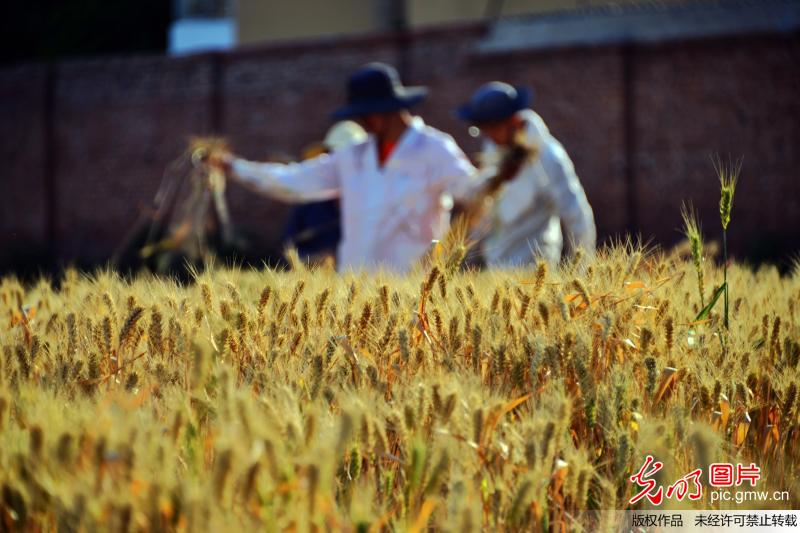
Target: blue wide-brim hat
point(376, 88)
point(493, 102)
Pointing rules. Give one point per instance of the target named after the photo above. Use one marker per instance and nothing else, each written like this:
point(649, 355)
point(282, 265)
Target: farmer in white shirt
point(396, 188)
point(530, 210)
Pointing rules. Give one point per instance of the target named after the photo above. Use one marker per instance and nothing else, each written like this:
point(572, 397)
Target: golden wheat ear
point(296, 263)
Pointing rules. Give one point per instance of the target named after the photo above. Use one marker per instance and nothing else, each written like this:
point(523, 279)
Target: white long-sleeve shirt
point(390, 214)
point(529, 210)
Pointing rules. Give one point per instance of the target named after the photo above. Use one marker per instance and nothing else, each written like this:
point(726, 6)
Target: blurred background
point(97, 97)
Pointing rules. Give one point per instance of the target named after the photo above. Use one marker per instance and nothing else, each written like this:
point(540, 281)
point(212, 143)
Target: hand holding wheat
point(517, 156)
point(212, 151)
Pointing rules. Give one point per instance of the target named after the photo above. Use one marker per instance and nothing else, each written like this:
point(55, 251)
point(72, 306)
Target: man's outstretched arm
point(313, 180)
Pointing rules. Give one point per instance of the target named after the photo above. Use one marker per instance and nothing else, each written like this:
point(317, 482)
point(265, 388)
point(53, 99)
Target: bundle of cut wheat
point(189, 218)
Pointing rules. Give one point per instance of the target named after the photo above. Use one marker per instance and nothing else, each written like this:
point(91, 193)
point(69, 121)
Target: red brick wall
point(117, 123)
point(734, 97)
point(23, 231)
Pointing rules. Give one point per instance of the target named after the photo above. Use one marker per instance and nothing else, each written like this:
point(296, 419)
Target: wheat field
point(307, 400)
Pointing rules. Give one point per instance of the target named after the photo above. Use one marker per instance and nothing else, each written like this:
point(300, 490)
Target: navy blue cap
point(494, 101)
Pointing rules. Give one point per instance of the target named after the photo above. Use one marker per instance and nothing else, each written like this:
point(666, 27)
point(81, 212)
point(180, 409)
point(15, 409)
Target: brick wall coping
point(650, 23)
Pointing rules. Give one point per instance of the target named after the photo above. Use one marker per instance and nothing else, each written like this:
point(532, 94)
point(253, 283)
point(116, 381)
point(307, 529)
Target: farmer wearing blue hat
point(396, 187)
point(531, 209)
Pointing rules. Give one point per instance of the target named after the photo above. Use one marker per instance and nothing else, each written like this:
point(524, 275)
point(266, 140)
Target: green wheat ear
point(693, 232)
point(728, 178)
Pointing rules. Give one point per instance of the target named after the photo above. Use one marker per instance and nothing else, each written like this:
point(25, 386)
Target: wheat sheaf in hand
point(516, 157)
point(195, 206)
point(207, 149)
